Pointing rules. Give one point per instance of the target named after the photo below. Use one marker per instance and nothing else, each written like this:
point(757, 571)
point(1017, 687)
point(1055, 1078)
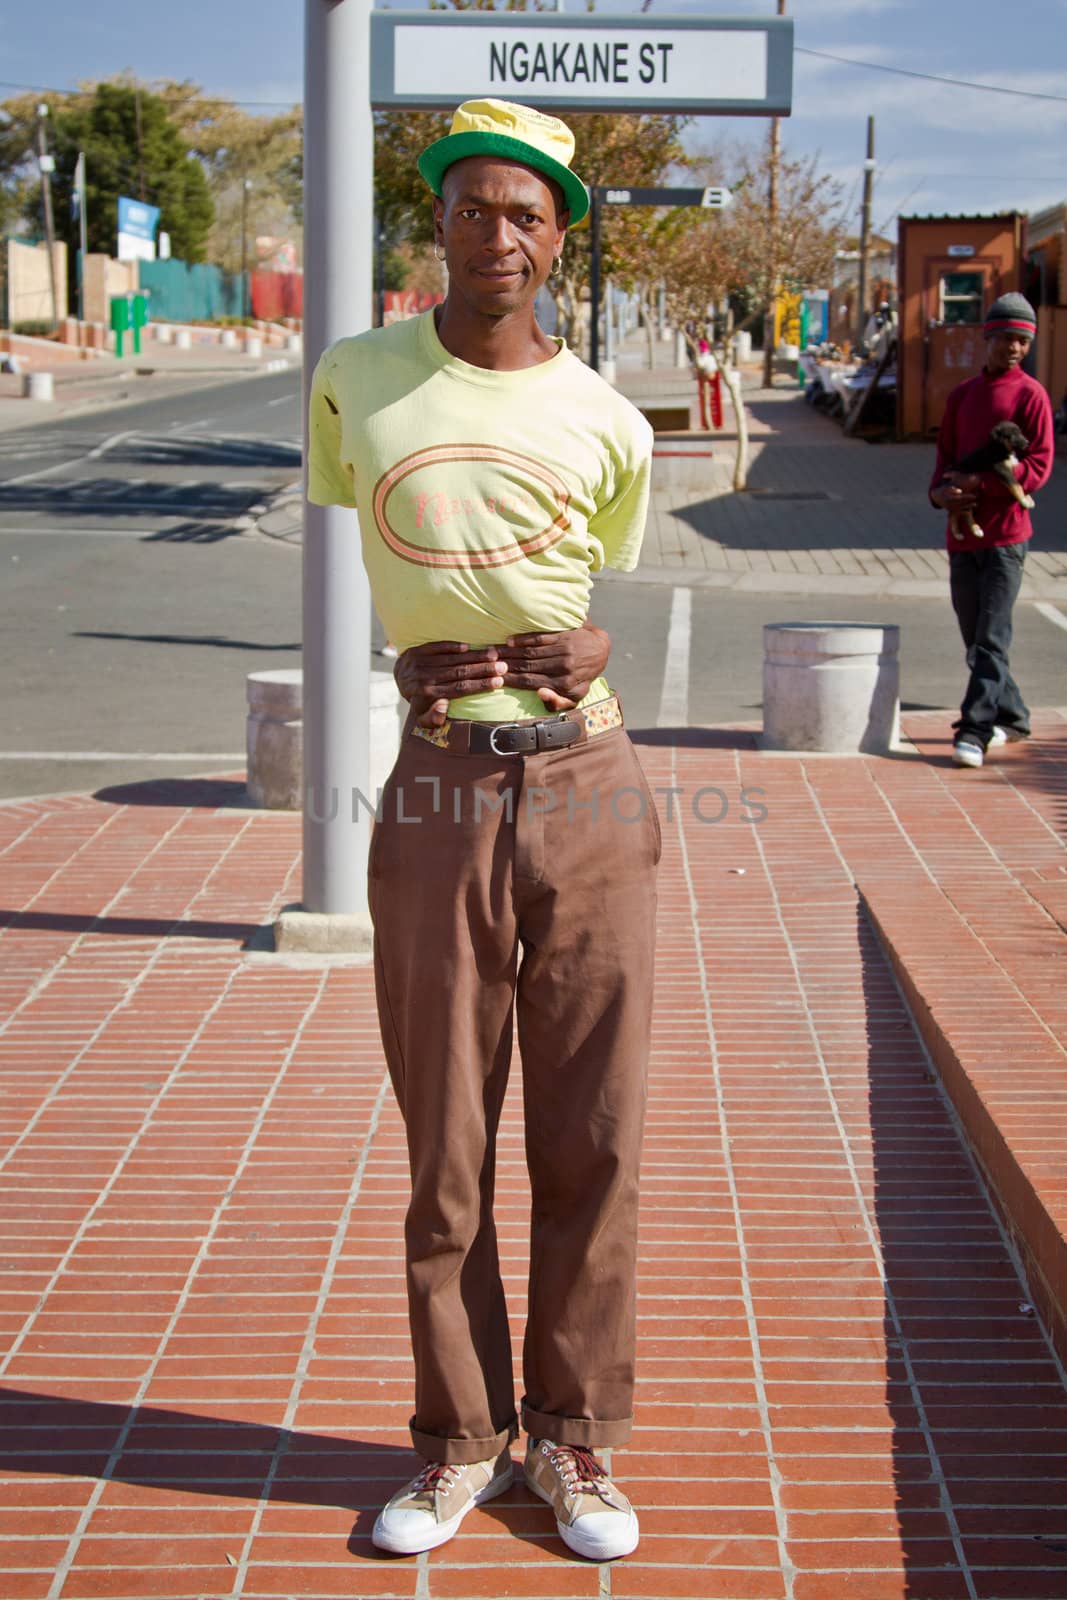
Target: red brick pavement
point(206, 1377)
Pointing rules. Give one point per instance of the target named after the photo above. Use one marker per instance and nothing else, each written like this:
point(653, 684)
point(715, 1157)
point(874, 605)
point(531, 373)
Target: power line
point(932, 77)
point(187, 99)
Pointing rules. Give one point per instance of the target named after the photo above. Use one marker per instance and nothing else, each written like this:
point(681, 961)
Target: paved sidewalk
point(822, 514)
point(845, 1389)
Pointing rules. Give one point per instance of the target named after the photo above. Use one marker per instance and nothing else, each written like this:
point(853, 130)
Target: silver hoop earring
point(557, 267)
point(439, 252)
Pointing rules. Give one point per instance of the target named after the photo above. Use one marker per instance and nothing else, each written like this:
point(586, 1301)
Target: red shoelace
point(584, 1468)
point(433, 1474)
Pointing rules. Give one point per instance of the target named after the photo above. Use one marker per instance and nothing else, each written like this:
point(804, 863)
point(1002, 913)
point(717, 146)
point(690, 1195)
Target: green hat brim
point(443, 153)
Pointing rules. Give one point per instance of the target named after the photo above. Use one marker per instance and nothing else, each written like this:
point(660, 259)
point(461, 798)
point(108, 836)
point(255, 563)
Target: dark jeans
point(984, 586)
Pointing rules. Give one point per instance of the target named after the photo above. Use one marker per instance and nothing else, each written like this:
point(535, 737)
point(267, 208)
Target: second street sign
point(711, 199)
point(701, 65)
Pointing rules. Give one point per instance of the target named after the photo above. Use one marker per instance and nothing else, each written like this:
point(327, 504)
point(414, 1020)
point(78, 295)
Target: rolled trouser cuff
point(461, 1452)
point(576, 1430)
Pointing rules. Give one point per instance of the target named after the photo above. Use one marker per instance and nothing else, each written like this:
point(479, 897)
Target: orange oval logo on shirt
point(455, 517)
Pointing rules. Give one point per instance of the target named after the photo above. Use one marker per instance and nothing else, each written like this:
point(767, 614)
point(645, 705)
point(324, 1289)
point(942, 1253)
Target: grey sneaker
point(428, 1510)
point(593, 1516)
point(1001, 736)
point(967, 753)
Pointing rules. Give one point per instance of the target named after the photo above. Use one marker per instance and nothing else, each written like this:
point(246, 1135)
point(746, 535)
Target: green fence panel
point(182, 291)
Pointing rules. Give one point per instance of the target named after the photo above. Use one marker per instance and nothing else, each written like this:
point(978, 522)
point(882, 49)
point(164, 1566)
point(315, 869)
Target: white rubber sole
point(623, 1543)
point(437, 1532)
point(968, 755)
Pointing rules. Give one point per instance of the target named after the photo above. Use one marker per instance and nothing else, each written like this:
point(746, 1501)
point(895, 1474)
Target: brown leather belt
point(467, 737)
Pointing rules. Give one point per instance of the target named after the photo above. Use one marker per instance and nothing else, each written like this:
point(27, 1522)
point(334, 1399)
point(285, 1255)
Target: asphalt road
point(137, 596)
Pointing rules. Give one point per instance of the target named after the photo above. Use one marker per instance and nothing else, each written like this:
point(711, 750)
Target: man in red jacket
point(986, 570)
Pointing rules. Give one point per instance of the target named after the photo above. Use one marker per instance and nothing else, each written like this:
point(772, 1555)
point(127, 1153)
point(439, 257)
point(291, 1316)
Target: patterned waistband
point(461, 733)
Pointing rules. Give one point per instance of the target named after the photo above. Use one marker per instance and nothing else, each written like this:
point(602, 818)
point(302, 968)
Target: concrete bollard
point(274, 735)
point(38, 386)
point(254, 346)
point(183, 339)
point(294, 341)
point(164, 333)
point(274, 738)
point(742, 346)
point(831, 686)
point(228, 338)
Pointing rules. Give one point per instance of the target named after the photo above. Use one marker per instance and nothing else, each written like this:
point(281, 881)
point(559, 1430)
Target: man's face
point(501, 225)
point(1005, 350)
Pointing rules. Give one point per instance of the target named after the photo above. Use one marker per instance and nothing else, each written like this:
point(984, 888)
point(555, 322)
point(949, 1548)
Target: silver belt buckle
point(501, 727)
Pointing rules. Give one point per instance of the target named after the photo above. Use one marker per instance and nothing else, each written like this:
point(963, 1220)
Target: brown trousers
point(525, 885)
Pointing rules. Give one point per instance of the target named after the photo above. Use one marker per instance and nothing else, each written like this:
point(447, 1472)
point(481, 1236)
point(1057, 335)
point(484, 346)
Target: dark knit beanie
point(1012, 313)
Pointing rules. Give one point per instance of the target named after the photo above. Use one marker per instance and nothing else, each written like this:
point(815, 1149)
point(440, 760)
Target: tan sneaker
point(428, 1510)
point(593, 1516)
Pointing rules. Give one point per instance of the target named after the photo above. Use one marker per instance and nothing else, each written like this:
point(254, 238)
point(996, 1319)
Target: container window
point(961, 298)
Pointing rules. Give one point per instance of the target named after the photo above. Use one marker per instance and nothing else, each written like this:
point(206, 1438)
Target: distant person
point(986, 570)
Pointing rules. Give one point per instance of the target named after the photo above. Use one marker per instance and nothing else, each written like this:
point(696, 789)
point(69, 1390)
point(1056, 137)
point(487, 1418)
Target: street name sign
point(711, 199)
point(725, 66)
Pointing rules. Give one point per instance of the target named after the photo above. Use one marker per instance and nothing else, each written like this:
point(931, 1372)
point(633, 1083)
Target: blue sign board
point(137, 219)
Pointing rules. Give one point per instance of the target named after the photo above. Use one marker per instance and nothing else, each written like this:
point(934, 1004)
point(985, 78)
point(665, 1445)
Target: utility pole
point(140, 138)
point(246, 184)
point(338, 213)
point(772, 207)
point(46, 163)
point(865, 231)
point(78, 196)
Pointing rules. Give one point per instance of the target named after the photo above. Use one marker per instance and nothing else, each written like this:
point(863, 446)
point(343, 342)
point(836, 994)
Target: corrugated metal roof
point(971, 216)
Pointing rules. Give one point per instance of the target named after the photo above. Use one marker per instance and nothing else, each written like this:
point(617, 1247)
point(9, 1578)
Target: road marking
point(674, 701)
point(61, 466)
point(121, 755)
point(283, 400)
point(1051, 612)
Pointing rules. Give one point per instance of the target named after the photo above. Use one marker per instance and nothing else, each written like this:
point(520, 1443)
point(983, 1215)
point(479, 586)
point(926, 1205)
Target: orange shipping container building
point(949, 271)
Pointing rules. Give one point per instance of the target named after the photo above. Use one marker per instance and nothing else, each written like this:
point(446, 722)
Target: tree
point(196, 158)
point(237, 149)
point(793, 249)
point(131, 148)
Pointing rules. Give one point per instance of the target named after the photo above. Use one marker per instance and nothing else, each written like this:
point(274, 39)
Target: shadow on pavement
point(110, 497)
point(129, 927)
point(222, 1459)
point(193, 1454)
point(972, 1393)
point(184, 793)
point(215, 640)
point(193, 452)
point(811, 488)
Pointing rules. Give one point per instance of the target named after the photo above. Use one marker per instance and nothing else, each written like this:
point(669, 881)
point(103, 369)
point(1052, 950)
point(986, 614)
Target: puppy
point(1001, 453)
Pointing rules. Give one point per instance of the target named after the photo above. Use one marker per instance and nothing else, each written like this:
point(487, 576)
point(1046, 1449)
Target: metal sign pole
point(339, 212)
point(594, 278)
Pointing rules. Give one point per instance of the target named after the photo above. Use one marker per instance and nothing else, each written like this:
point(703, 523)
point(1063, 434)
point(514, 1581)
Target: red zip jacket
point(972, 409)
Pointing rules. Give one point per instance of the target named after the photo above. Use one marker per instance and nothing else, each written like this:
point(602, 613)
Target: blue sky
point(939, 148)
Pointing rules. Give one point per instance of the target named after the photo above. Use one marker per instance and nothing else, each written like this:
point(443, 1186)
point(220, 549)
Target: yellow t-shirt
point(486, 499)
